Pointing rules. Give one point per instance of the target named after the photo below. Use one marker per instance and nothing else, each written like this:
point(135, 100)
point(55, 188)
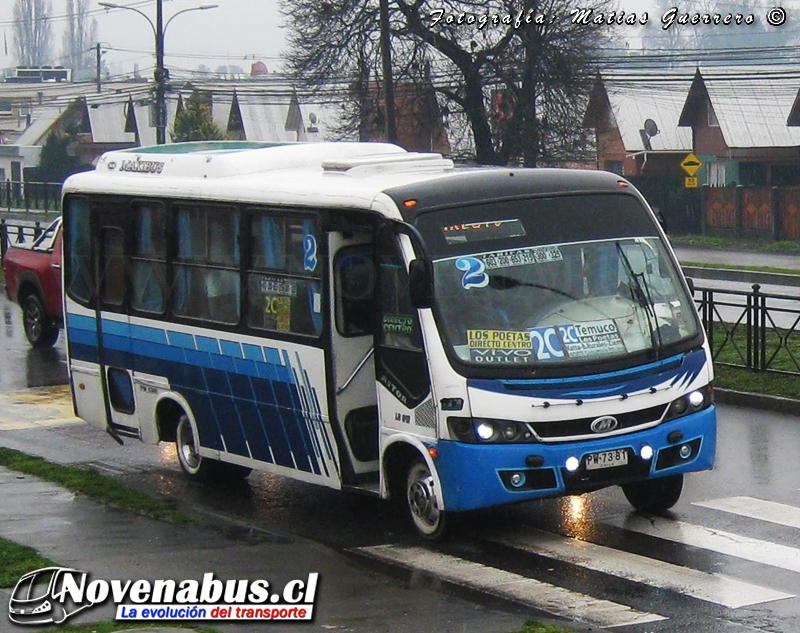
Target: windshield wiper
point(502, 282)
point(641, 293)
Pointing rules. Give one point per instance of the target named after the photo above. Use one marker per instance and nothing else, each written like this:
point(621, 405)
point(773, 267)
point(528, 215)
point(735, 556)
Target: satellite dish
point(313, 118)
point(650, 127)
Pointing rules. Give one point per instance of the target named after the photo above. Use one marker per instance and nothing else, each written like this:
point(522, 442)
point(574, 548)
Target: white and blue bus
point(356, 316)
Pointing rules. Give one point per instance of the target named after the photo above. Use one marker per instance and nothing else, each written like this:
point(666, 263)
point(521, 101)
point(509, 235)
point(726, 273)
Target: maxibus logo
point(53, 594)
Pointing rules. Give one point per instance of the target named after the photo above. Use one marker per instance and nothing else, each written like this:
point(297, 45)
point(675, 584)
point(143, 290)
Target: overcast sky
point(237, 32)
point(240, 32)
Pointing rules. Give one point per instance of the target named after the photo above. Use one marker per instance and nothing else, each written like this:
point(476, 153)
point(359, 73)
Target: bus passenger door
point(401, 365)
point(353, 285)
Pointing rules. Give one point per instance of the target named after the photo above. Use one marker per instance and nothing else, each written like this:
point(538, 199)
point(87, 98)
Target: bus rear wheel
point(191, 462)
point(423, 501)
point(654, 495)
point(202, 468)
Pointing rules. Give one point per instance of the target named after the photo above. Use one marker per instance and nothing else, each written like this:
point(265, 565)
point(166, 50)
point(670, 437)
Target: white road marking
point(715, 588)
point(755, 550)
point(534, 593)
point(753, 508)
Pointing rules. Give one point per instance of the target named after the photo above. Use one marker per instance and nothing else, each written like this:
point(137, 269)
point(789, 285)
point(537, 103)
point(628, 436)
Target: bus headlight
point(489, 431)
point(690, 403)
point(485, 430)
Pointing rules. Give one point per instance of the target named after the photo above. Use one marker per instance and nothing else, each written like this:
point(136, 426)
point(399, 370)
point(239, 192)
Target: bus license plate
point(607, 459)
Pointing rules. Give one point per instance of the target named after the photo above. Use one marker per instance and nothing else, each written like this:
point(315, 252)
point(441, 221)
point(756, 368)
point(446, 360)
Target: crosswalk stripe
point(715, 588)
point(744, 547)
point(534, 593)
point(753, 508)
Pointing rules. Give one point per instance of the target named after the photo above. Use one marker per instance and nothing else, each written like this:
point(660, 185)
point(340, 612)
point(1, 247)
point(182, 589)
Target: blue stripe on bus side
point(248, 402)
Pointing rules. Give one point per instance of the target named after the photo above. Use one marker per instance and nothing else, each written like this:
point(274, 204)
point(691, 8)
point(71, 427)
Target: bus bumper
point(483, 475)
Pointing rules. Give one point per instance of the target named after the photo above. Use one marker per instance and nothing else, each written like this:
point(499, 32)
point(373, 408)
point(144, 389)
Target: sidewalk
point(688, 255)
point(742, 258)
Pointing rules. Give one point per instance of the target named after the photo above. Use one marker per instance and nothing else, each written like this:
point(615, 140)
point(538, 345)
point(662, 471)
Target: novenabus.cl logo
point(53, 594)
point(39, 596)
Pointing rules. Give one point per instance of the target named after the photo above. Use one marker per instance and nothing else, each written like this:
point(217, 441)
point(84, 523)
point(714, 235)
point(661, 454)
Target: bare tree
point(79, 37)
point(518, 72)
point(32, 32)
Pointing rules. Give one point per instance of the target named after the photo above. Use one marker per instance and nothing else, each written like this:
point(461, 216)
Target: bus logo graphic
point(39, 596)
point(604, 424)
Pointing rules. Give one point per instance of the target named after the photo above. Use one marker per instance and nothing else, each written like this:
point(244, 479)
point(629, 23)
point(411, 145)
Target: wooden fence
point(763, 212)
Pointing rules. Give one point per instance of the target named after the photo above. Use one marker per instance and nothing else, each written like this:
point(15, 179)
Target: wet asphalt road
point(737, 527)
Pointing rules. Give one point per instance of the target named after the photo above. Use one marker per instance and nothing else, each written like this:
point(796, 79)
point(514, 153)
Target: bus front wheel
point(424, 502)
point(654, 495)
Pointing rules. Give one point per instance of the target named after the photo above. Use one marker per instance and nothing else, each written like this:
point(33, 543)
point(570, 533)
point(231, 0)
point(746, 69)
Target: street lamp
point(161, 74)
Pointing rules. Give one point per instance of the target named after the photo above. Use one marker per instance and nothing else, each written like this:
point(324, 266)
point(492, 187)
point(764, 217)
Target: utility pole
point(97, 57)
point(160, 76)
point(388, 80)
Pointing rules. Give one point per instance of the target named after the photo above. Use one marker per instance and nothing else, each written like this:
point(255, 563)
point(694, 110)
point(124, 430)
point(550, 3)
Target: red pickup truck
point(33, 280)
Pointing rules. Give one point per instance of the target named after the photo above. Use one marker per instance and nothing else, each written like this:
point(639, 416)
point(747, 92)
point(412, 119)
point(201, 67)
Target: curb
point(763, 402)
point(745, 276)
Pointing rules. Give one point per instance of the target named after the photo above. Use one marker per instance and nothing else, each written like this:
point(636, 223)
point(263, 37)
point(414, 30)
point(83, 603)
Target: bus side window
point(284, 277)
point(79, 251)
point(113, 266)
point(355, 279)
point(400, 357)
point(207, 270)
point(149, 258)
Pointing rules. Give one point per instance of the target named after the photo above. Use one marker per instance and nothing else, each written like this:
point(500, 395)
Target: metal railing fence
point(30, 197)
point(752, 329)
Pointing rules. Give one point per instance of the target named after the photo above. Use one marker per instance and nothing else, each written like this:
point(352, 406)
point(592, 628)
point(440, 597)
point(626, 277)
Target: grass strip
point(758, 269)
point(92, 484)
point(729, 350)
point(721, 242)
point(17, 560)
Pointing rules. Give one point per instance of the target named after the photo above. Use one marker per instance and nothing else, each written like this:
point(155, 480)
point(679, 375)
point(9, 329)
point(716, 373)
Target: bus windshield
point(555, 282)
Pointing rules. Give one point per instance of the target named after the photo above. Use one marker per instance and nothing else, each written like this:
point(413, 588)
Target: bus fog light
point(685, 451)
point(572, 464)
point(696, 399)
point(484, 430)
point(509, 432)
point(517, 479)
point(646, 452)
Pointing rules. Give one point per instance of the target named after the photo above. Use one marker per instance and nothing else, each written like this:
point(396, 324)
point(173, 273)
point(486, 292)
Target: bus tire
point(39, 331)
point(654, 495)
point(423, 502)
point(197, 467)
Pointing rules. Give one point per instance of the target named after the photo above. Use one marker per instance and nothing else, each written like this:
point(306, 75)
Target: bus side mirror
point(420, 283)
point(690, 284)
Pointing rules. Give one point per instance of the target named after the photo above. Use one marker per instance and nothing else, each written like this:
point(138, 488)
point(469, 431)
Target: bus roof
point(339, 174)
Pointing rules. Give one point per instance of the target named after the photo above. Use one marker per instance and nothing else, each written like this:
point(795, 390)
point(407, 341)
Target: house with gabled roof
point(635, 118)
point(120, 116)
point(739, 123)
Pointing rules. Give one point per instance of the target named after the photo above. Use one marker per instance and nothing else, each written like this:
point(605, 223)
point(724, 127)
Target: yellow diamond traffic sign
point(691, 164)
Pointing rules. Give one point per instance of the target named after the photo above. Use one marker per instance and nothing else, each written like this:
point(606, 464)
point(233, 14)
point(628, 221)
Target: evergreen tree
point(194, 123)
